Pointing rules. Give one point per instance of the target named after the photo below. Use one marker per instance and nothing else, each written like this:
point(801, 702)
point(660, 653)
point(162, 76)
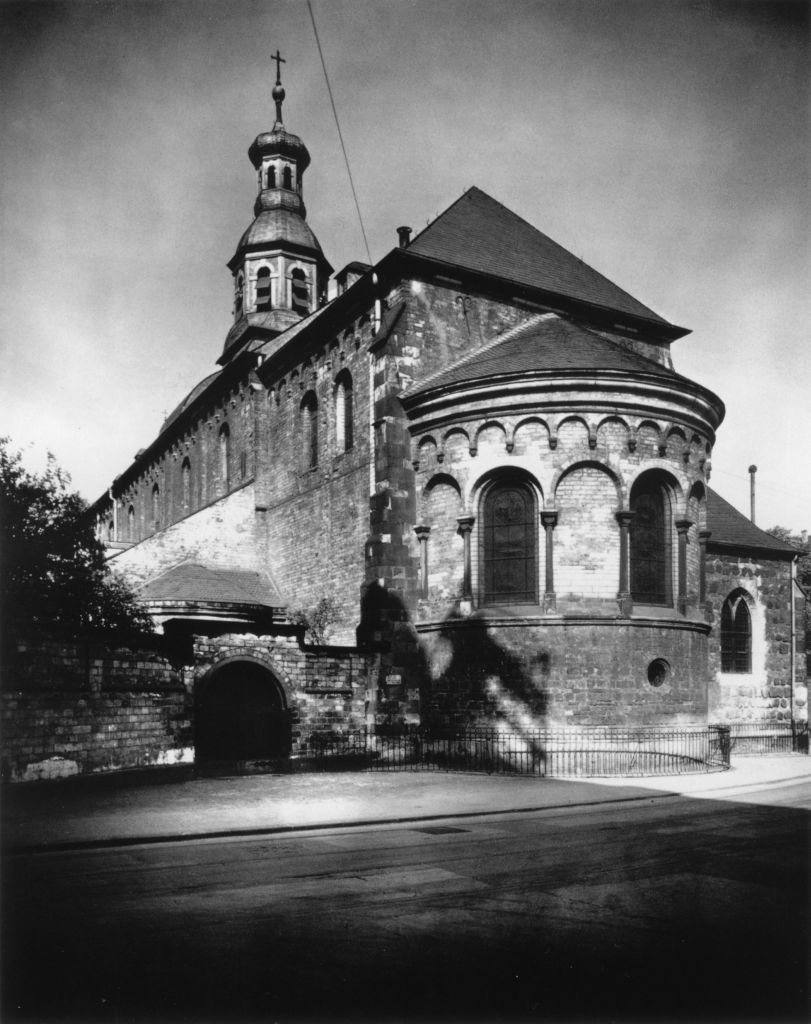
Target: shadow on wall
point(465, 677)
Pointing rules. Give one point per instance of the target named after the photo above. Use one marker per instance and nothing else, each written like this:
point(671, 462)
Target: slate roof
point(479, 234)
point(545, 343)
point(730, 528)
point(197, 390)
point(192, 582)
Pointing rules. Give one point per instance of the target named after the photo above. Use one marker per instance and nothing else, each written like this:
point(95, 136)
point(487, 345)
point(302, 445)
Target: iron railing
point(553, 753)
point(766, 736)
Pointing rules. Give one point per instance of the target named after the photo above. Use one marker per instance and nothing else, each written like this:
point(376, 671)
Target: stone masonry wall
point(766, 692)
point(68, 710)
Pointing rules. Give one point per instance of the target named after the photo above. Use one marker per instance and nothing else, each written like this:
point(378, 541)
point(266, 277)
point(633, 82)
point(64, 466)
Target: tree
point(54, 578)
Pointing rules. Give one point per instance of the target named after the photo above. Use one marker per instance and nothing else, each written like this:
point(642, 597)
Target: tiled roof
point(730, 528)
point(193, 582)
point(479, 234)
point(197, 390)
point(546, 343)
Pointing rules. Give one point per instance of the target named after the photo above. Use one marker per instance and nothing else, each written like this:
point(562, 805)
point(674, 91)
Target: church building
point(478, 455)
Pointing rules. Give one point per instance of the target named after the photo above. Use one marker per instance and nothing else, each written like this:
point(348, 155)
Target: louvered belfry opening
point(509, 535)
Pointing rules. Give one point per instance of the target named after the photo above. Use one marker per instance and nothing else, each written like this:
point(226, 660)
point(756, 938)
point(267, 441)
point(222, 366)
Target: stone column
point(703, 537)
point(422, 533)
point(549, 520)
point(624, 598)
point(465, 526)
point(682, 526)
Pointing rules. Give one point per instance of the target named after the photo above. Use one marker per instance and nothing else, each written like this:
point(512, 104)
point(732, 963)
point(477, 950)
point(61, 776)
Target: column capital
point(683, 525)
point(422, 532)
point(704, 536)
point(549, 518)
point(465, 523)
point(624, 517)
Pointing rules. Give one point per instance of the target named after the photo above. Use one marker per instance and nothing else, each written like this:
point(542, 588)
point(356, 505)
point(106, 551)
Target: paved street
point(664, 908)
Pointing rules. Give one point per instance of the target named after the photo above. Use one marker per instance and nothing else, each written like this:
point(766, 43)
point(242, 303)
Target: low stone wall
point(70, 709)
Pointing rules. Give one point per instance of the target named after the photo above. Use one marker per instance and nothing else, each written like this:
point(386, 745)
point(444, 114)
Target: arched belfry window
point(239, 296)
point(185, 472)
point(156, 508)
point(287, 178)
point(263, 288)
point(271, 177)
point(300, 289)
point(224, 452)
point(736, 634)
point(651, 548)
point(509, 543)
point(343, 411)
point(309, 429)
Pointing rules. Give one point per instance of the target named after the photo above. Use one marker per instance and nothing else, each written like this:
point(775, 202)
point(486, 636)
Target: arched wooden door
point(241, 715)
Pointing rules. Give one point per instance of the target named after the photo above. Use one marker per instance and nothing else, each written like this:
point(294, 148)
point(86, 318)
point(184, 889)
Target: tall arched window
point(509, 544)
point(263, 289)
point(300, 292)
point(238, 296)
point(271, 177)
point(344, 434)
point(185, 472)
point(224, 452)
point(287, 177)
point(736, 634)
point(111, 530)
point(156, 508)
point(309, 429)
point(651, 541)
point(131, 523)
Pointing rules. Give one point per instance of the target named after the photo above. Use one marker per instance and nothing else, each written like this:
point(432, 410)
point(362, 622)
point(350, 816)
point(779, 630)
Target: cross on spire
point(279, 61)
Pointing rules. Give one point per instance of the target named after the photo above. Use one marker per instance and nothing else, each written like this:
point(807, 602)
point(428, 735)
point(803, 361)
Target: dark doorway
point(241, 716)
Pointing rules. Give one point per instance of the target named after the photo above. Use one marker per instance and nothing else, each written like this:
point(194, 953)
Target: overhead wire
point(340, 133)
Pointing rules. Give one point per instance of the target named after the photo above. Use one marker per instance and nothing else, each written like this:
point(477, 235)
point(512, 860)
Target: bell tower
point(280, 272)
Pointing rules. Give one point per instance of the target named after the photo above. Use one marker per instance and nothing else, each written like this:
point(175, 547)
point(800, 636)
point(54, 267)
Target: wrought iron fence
point(553, 753)
point(765, 736)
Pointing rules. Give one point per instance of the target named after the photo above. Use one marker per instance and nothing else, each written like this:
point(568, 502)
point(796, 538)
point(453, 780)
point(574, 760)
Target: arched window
point(300, 292)
point(736, 634)
point(185, 472)
point(309, 429)
point(156, 508)
point(287, 178)
point(225, 444)
point(651, 541)
point(263, 288)
point(243, 465)
point(131, 523)
point(271, 177)
point(111, 530)
point(238, 296)
point(343, 411)
point(509, 544)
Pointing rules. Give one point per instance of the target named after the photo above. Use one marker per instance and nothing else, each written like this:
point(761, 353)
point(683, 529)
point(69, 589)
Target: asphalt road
point(666, 909)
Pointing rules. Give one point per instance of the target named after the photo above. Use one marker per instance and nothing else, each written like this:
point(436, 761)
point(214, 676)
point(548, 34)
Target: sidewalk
point(81, 814)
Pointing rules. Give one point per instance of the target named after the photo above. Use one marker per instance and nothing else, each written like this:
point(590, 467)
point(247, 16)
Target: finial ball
point(278, 93)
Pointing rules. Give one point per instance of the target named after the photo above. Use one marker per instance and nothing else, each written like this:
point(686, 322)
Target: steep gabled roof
point(478, 234)
point(547, 342)
point(731, 529)
point(192, 582)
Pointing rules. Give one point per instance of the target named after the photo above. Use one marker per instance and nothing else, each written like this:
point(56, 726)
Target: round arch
point(241, 713)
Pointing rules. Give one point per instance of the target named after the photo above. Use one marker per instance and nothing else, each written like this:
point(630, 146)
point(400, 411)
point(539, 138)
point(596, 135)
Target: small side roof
point(193, 582)
point(731, 530)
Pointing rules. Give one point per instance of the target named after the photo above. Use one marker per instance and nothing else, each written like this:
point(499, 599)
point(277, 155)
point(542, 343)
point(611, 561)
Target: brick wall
point(67, 709)
point(766, 692)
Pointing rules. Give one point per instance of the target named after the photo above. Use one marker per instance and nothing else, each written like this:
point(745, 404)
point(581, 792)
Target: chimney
point(752, 471)
point(404, 236)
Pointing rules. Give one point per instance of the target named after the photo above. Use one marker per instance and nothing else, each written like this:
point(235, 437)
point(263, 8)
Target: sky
point(664, 143)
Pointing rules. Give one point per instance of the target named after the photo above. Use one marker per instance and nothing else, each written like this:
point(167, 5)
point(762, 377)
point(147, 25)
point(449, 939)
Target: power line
point(340, 134)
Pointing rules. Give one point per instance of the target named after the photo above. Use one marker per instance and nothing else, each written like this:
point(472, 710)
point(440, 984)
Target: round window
point(658, 672)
